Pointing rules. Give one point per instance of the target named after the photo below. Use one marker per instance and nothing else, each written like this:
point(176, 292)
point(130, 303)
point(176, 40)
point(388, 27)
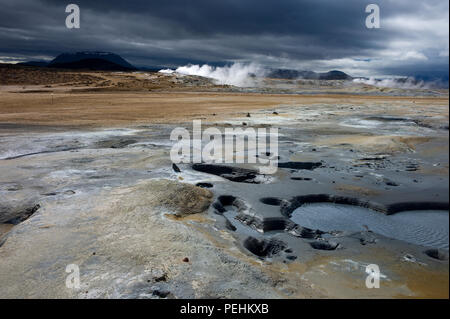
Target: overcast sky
point(314, 35)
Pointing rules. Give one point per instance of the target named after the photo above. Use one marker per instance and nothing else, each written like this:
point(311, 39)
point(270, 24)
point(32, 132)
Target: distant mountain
point(34, 63)
point(334, 75)
point(151, 68)
point(408, 82)
point(92, 61)
point(91, 64)
point(308, 75)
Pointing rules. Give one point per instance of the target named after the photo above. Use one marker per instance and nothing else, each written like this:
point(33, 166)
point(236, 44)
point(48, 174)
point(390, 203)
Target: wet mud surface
point(354, 186)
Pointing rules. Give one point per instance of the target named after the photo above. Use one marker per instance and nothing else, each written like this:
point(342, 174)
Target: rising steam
point(400, 83)
point(237, 74)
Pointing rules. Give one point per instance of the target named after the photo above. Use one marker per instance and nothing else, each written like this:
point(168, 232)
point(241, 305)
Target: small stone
point(162, 277)
point(185, 259)
point(409, 258)
point(291, 257)
point(161, 293)
point(176, 168)
point(391, 183)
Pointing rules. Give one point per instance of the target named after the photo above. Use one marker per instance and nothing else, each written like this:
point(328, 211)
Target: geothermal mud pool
point(425, 228)
point(355, 185)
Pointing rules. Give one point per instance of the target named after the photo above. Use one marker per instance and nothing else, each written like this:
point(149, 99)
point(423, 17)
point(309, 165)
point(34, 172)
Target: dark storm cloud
point(307, 34)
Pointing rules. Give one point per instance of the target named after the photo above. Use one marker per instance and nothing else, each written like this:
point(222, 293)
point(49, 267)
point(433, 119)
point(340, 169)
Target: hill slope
point(92, 61)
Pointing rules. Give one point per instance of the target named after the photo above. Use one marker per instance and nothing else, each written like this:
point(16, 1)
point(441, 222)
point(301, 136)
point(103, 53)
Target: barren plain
point(86, 179)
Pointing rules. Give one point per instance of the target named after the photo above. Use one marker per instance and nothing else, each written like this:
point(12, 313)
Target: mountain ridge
point(308, 75)
point(93, 60)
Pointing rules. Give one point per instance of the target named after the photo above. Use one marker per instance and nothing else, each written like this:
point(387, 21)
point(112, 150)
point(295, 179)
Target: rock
point(229, 225)
point(176, 168)
point(161, 293)
point(14, 188)
point(409, 258)
point(324, 245)
point(160, 276)
point(181, 198)
point(291, 257)
point(390, 183)
point(367, 237)
point(204, 185)
point(50, 194)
